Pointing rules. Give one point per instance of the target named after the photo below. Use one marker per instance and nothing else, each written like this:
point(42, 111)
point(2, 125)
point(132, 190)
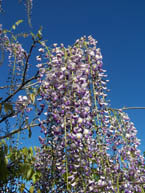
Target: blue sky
point(119, 27)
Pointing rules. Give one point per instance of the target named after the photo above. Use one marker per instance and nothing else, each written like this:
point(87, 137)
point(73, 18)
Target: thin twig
point(26, 189)
point(17, 131)
point(27, 86)
point(7, 116)
point(126, 108)
point(3, 87)
point(20, 87)
point(10, 96)
point(27, 60)
point(130, 108)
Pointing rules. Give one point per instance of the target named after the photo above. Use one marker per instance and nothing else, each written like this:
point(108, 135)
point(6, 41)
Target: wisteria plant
point(85, 145)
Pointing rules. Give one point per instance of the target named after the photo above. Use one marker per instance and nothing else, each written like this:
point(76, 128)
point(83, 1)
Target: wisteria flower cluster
point(87, 146)
point(22, 104)
point(16, 54)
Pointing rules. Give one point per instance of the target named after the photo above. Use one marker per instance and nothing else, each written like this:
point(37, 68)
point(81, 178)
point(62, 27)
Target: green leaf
point(5, 31)
point(8, 107)
point(36, 177)
point(32, 97)
point(31, 190)
point(13, 27)
point(39, 34)
point(25, 151)
point(33, 35)
point(30, 132)
point(6, 160)
point(30, 150)
point(38, 91)
point(14, 37)
point(18, 22)
point(35, 148)
point(22, 188)
point(29, 174)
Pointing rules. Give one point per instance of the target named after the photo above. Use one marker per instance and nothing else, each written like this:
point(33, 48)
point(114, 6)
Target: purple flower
point(92, 147)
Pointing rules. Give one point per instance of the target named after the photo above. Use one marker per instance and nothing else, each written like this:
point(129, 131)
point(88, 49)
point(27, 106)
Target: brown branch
point(121, 183)
point(3, 87)
point(24, 74)
point(129, 108)
point(20, 87)
point(7, 116)
point(126, 108)
point(10, 96)
point(17, 131)
point(27, 60)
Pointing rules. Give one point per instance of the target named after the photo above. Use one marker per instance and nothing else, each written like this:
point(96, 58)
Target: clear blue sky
point(118, 25)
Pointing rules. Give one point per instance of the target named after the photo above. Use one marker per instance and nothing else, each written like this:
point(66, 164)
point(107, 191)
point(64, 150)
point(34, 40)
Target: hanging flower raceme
point(86, 147)
point(15, 51)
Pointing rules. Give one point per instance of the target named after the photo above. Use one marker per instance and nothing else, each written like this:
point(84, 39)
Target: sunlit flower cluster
point(87, 146)
point(22, 104)
point(16, 51)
